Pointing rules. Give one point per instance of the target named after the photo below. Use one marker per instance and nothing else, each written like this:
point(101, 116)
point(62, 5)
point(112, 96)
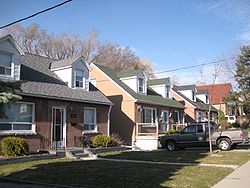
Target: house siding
point(43, 119)
point(189, 109)
point(123, 112)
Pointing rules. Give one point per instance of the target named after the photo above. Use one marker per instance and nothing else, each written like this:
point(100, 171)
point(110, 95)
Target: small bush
point(172, 131)
point(101, 141)
point(236, 124)
point(116, 140)
point(14, 146)
point(85, 141)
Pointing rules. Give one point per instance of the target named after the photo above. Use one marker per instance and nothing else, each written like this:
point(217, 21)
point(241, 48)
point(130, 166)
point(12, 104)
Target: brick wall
point(43, 119)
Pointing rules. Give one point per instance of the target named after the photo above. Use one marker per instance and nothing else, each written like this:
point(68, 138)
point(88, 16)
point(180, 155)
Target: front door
point(165, 121)
point(58, 128)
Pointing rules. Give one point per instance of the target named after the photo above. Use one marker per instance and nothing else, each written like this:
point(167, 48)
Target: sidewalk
point(239, 178)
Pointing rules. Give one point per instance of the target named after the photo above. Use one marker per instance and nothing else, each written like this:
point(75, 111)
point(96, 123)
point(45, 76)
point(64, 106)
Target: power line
point(33, 15)
point(193, 66)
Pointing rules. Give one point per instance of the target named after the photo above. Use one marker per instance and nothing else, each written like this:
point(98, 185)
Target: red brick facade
point(74, 126)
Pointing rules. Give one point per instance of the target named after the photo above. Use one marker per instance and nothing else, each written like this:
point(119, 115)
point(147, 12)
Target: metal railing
point(146, 129)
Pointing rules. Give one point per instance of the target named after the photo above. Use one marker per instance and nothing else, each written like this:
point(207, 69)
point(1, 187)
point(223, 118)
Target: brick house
point(196, 103)
point(57, 107)
point(218, 93)
point(142, 107)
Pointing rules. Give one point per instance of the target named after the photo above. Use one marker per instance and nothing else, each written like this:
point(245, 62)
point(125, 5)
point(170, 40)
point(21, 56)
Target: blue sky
point(170, 34)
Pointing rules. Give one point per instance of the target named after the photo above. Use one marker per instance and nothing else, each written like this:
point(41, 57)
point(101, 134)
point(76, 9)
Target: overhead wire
point(193, 66)
point(35, 14)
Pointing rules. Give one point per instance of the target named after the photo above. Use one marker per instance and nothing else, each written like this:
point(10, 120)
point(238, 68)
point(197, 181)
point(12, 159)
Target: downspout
point(108, 123)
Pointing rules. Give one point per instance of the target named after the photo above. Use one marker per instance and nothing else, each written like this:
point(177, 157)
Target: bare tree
point(209, 78)
point(35, 40)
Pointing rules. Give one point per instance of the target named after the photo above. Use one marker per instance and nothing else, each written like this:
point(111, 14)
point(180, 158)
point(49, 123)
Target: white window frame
point(82, 81)
point(33, 125)
point(152, 115)
point(11, 65)
point(95, 124)
point(143, 85)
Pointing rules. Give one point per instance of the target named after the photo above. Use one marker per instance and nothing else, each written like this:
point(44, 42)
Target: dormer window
point(141, 85)
point(80, 79)
point(5, 64)
point(193, 96)
point(167, 91)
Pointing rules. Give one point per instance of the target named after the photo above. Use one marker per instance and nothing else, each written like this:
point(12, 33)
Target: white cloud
point(236, 11)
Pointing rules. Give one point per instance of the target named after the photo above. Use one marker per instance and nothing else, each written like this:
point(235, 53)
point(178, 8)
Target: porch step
point(60, 153)
point(76, 153)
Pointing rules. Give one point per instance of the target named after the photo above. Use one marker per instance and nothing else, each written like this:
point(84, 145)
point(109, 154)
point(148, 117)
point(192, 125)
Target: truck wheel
point(224, 144)
point(170, 145)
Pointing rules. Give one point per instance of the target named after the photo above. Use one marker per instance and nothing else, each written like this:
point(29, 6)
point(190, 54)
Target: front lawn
point(113, 174)
point(185, 156)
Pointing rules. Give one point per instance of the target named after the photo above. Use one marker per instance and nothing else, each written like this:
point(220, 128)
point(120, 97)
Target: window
point(167, 91)
point(80, 78)
point(200, 128)
point(89, 119)
point(19, 116)
point(190, 129)
point(141, 85)
point(176, 116)
point(5, 64)
point(148, 115)
point(206, 99)
point(193, 96)
point(165, 117)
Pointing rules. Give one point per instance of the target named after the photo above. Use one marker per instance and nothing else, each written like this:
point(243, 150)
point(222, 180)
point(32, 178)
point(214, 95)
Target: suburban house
point(142, 107)
point(196, 103)
point(58, 105)
point(217, 95)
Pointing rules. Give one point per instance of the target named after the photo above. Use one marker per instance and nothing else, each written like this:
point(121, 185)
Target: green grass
point(185, 156)
point(113, 174)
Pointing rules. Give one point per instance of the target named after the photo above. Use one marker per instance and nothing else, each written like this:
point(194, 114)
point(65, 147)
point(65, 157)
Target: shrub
point(85, 141)
point(14, 146)
point(172, 131)
point(116, 140)
point(101, 141)
point(236, 124)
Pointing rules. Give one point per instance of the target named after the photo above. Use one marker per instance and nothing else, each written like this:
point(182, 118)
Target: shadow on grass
point(97, 174)
point(109, 174)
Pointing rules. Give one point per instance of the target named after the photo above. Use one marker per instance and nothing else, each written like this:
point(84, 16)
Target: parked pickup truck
point(196, 135)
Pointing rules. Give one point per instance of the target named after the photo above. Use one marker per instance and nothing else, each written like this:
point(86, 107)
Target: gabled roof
point(198, 105)
point(40, 81)
point(13, 42)
point(66, 62)
point(217, 92)
point(130, 73)
point(184, 87)
point(159, 81)
point(150, 98)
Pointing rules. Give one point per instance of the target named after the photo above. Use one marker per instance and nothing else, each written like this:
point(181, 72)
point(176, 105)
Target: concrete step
point(76, 153)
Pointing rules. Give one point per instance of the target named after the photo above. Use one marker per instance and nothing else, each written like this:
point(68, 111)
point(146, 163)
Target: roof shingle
point(40, 81)
point(150, 98)
point(159, 81)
